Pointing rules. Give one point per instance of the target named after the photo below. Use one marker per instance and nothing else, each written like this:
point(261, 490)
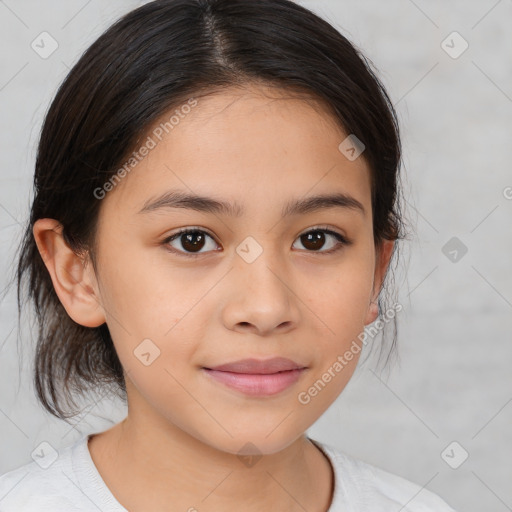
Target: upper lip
point(258, 366)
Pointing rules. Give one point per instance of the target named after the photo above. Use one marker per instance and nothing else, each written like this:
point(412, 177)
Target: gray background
point(453, 382)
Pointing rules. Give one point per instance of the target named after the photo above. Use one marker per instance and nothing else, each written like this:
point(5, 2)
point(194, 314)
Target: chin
point(255, 444)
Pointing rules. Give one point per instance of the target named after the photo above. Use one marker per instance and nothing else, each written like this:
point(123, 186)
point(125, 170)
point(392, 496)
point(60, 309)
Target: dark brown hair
point(152, 60)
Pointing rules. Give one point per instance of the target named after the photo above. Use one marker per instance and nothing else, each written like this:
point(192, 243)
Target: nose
point(260, 297)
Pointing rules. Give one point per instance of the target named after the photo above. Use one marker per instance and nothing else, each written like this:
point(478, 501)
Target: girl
point(216, 209)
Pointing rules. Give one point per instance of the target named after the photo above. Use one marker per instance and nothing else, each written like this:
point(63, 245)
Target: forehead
point(252, 144)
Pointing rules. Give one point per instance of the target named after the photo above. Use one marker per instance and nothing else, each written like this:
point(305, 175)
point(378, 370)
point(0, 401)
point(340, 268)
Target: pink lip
point(258, 366)
point(258, 378)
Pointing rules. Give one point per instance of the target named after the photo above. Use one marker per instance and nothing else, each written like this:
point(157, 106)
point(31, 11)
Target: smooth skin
point(177, 449)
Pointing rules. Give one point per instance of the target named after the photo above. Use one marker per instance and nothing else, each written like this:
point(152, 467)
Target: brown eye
point(316, 239)
point(192, 241)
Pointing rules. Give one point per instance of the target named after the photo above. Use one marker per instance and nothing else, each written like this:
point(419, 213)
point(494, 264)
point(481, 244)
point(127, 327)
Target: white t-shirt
point(68, 481)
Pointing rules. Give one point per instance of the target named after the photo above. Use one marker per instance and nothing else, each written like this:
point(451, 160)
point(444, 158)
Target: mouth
point(259, 366)
point(257, 377)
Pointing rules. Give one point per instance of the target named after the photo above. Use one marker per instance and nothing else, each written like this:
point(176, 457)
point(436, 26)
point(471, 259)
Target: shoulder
point(45, 485)
point(367, 487)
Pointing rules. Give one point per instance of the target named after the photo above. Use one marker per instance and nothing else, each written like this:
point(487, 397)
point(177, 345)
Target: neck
point(183, 473)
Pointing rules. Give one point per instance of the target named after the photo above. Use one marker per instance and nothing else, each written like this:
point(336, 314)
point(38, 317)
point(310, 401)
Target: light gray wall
point(453, 382)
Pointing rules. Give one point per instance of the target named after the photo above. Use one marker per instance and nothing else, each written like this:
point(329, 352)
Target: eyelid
point(187, 229)
point(323, 227)
point(302, 232)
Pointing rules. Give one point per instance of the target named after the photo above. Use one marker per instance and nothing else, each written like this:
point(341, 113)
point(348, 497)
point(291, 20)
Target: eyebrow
point(179, 199)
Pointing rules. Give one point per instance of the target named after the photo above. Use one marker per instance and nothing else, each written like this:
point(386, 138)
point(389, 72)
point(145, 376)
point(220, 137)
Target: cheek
point(149, 313)
point(341, 305)
point(143, 292)
point(341, 308)
point(160, 368)
point(341, 296)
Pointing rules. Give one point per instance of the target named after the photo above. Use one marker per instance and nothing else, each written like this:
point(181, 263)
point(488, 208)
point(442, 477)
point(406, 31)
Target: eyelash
point(342, 241)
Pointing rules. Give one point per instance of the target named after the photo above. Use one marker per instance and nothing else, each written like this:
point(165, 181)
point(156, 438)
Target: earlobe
point(372, 313)
point(381, 265)
point(74, 280)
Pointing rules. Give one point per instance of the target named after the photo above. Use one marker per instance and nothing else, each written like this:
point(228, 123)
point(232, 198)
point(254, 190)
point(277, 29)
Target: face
point(248, 283)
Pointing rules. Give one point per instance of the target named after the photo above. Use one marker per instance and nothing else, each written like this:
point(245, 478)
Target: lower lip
point(257, 384)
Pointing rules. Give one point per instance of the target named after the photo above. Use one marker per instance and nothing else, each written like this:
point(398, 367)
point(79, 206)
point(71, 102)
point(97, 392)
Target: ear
point(384, 253)
point(73, 278)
